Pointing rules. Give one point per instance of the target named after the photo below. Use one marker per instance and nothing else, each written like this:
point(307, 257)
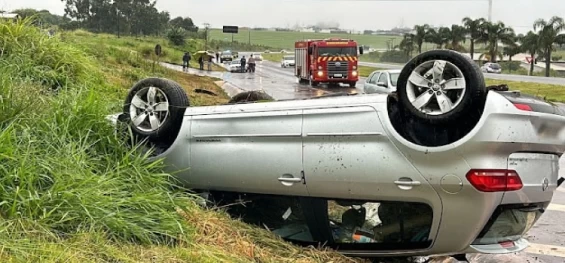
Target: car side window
point(384, 79)
point(373, 79)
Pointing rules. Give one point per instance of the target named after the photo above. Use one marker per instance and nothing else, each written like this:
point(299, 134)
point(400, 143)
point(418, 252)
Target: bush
point(395, 56)
point(176, 36)
point(32, 54)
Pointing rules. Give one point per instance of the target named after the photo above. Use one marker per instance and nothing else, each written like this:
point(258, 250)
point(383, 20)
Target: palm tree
point(420, 36)
point(456, 35)
point(512, 50)
point(492, 34)
point(439, 37)
point(549, 34)
point(408, 44)
point(530, 43)
point(473, 27)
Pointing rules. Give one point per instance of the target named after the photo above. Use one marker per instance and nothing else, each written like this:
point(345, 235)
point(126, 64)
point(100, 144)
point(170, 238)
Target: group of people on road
point(187, 57)
point(251, 62)
point(201, 60)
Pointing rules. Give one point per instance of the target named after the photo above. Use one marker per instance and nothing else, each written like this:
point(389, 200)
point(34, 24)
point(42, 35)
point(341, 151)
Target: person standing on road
point(242, 64)
point(251, 63)
point(186, 61)
point(218, 57)
point(210, 63)
point(201, 62)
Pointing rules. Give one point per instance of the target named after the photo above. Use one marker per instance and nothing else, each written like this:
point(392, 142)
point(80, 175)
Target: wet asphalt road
point(547, 237)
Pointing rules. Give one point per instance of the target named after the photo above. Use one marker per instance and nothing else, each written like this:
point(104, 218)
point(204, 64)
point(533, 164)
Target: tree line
point(539, 42)
point(120, 17)
point(133, 17)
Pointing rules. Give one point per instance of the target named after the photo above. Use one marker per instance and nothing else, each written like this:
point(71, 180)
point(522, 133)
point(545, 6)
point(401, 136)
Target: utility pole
point(490, 10)
point(206, 26)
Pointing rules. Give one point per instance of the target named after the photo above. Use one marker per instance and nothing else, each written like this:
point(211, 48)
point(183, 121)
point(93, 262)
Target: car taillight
point(525, 107)
point(489, 180)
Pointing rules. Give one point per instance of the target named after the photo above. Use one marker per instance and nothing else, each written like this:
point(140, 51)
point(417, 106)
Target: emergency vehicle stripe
point(319, 59)
point(349, 58)
point(325, 59)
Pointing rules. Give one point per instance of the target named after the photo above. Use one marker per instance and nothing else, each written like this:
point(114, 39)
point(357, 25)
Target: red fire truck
point(331, 61)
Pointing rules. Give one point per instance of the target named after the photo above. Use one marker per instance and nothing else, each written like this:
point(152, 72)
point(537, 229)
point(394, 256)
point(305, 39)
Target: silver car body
point(490, 67)
point(381, 81)
point(287, 61)
point(347, 148)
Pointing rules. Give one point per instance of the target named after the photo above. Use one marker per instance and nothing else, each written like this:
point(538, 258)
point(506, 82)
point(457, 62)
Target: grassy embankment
point(142, 46)
point(277, 57)
point(550, 92)
point(72, 190)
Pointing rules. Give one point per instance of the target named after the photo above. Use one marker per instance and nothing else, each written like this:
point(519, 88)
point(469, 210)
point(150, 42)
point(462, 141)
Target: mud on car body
point(441, 166)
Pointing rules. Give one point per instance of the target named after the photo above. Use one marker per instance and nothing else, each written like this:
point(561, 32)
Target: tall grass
point(63, 169)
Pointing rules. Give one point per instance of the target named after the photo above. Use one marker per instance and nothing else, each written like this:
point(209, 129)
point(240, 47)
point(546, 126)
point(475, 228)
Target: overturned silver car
point(443, 166)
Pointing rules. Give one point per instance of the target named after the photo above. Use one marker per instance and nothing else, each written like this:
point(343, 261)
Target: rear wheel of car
point(251, 96)
point(154, 109)
point(441, 86)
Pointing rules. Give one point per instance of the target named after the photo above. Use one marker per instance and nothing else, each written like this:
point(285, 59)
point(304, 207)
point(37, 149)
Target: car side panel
point(247, 151)
point(354, 159)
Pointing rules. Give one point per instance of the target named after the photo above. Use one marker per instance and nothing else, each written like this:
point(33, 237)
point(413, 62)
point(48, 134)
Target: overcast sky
point(350, 14)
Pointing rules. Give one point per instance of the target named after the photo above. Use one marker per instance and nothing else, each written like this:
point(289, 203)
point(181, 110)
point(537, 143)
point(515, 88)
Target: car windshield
point(495, 66)
point(394, 78)
point(288, 58)
point(226, 53)
point(336, 51)
point(235, 62)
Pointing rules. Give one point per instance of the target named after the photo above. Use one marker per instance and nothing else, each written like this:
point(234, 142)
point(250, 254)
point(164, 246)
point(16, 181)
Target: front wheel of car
point(441, 86)
point(154, 109)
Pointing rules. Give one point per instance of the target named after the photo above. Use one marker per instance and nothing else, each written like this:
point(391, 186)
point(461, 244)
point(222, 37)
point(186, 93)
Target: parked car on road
point(444, 165)
point(226, 56)
point(381, 81)
point(287, 61)
point(490, 67)
point(235, 66)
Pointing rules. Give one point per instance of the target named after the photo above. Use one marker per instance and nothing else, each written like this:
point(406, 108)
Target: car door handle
point(290, 180)
point(408, 183)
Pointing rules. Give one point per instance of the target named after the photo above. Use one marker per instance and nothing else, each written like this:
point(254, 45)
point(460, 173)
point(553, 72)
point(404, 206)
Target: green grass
point(140, 46)
point(71, 188)
point(285, 40)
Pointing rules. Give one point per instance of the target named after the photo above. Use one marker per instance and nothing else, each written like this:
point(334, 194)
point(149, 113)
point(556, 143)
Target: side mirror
point(310, 50)
point(360, 50)
point(382, 84)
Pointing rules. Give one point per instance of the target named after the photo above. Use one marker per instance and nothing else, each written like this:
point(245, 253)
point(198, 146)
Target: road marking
point(556, 207)
point(550, 250)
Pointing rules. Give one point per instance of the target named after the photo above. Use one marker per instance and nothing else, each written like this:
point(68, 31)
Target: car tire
point(352, 84)
point(250, 96)
point(141, 119)
point(459, 85)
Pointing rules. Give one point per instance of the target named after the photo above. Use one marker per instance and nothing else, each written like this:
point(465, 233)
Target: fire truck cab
point(331, 61)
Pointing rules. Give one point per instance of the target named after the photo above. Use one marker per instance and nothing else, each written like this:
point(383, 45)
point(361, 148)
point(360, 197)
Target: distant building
point(8, 16)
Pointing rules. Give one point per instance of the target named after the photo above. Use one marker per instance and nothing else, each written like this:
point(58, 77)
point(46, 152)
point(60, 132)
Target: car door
point(351, 165)
point(383, 79)
point(244, 150)
point(370, 83)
